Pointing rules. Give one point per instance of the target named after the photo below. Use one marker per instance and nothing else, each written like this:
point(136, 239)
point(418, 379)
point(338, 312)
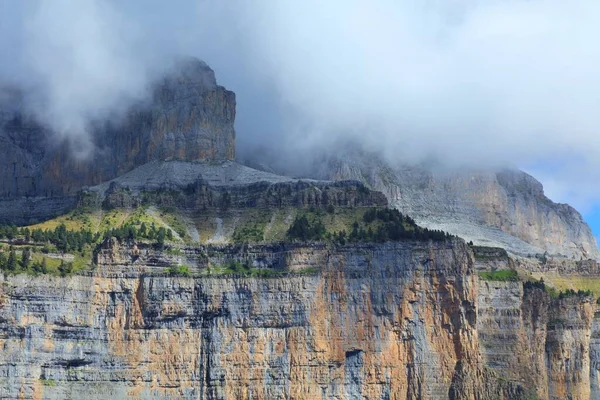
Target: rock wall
point(505, 208)
point(392, 321)
point(200, 196)
point(543, 343)
point(23, 211)
point(187, 117)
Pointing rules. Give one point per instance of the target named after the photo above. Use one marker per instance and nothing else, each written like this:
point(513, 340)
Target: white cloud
point(470, 82)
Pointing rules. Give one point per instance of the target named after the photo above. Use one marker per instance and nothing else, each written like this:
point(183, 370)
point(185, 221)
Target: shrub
point(179, 270)
point(248, 234)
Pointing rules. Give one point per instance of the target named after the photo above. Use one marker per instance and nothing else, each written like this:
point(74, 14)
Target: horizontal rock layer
point(390, 321)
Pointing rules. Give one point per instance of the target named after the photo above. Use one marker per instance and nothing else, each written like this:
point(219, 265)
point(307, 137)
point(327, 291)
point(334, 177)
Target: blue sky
point(592, 217)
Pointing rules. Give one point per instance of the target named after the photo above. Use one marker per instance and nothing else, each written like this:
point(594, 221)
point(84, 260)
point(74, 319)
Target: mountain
point(188, 117)
point(501, 208)
point(407, 320)
point(162, 268)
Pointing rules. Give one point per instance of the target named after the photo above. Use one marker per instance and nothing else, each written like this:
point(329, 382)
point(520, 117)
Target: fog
point(467, 83)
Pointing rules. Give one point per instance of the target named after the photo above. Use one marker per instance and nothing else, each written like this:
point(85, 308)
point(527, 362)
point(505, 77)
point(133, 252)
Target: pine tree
point(26, 258)
point(160, 237)
point(11, 264)
point(65, 268)
point(143, 230)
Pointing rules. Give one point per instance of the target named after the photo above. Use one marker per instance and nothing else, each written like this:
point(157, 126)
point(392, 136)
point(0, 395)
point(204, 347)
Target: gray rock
point(188, 117)
point(505, 208)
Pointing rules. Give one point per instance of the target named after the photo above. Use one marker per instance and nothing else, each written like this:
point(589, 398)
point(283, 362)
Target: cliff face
point(188, 117)
point(543, 343)
point(505, 209)
point(389, 321)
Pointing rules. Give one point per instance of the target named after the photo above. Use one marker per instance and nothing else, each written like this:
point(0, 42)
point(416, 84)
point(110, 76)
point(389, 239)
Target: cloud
point(82, 54)
point(471, 83)
point(81, 61)
point(467, 82)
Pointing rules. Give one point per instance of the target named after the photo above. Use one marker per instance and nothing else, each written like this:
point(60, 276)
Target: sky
point(471, 83)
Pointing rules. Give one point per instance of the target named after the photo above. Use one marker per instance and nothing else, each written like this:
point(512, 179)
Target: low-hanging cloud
point(467, 82)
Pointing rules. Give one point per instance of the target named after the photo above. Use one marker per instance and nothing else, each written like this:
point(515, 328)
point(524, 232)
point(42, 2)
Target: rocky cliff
point(391, 321)
point(541, 342)
point(505, 208)
point(187, 117)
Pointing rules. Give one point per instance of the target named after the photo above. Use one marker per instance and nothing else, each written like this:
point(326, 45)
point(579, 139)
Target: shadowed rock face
point(188, 117)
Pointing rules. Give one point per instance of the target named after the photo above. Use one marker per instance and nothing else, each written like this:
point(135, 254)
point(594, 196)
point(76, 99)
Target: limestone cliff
point(187, 117)
point(390, 321)
point(541, 342)
point(504, 208)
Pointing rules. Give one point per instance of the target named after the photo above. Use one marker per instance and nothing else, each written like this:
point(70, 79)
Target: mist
point(467, 83)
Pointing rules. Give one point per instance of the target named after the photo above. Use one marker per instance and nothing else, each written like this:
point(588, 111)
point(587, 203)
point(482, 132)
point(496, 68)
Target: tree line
point(69, 241)
point(378, 225)
point(14, 262)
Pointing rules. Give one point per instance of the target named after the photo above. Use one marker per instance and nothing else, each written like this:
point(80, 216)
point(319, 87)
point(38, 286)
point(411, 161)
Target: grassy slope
point(271, 224)
point(562, 283)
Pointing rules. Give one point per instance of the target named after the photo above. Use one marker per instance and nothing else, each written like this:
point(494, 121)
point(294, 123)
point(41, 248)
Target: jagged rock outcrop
point(188, 117)
point(199, 195)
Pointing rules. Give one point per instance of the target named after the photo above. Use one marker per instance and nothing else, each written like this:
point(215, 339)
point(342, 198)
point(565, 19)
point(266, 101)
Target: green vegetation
point(247, 234)
point(181, 270)
point(305, 229)
point(30, 260)
point(377, 225)
point(173, 251)
point(63, 239)
point(561, 283)
point(555, 293)
point(169, 215)
point(573, 293)
point(503, 275)
point(130, 231)
point(48, 382)
point(535, 284)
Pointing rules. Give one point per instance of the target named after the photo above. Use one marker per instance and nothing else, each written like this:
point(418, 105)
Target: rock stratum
point(409, 320)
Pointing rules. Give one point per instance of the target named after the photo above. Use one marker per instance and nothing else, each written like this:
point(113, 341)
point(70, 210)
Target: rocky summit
point(161, 268)
point(188, 117)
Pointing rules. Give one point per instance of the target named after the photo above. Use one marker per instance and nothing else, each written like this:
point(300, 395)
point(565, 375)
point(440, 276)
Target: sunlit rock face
point(405, 320)
point(500, 208)
point(187, 116)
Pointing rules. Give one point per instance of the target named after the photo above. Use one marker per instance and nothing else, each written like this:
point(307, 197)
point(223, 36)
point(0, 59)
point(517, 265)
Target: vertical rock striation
point(545, 344)
point(395, 321)
point(379, 321)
